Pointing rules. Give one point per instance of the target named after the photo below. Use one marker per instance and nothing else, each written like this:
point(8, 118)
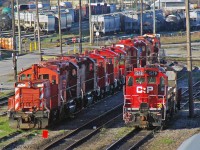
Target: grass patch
point(167, 141)
point(195, 37)
point(123, 131)
point(4, 127)
point(5, 94)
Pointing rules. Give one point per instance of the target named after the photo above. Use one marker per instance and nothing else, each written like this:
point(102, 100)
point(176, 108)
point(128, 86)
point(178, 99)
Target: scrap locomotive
point(57, 88)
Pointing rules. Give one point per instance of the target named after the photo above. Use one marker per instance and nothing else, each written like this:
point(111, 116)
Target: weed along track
point(17, 139)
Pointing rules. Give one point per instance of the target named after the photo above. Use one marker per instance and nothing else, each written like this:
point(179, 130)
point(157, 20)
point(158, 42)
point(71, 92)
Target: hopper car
point(48, 21)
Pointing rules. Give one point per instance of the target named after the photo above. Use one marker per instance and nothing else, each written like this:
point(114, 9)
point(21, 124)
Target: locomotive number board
point(138, 73)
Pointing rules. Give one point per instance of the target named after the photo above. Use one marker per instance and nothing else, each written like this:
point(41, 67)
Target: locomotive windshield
point(130, 81)
point(151, 79)
point(140, 80)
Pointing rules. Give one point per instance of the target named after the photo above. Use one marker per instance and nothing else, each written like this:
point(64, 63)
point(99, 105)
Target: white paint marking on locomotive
point(140, 89)
point(41, 93)
point(16, 105)
point(149, 88)
point(17, 93)
point(41, 96)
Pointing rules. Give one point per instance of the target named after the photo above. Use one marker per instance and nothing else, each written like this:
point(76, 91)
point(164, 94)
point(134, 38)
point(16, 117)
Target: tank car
point(149, 96)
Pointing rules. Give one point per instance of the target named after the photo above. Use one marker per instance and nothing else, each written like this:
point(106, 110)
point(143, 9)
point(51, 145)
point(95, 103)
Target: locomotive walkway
point(24, 61)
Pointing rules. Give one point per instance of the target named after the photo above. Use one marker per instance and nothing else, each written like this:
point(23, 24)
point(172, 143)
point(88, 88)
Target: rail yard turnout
point(127, 85)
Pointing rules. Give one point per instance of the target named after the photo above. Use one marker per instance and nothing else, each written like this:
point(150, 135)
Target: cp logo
point(140, 89)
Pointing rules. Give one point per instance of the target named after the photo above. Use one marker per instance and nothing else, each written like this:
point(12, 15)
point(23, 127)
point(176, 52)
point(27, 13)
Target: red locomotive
point(57, 88)
point(149, 96)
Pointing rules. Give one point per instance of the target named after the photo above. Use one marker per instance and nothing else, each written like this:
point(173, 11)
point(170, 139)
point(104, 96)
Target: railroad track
point(196, 93)
point(85, 132)
point(132, 140)
point(4, 102)
point(17, 140)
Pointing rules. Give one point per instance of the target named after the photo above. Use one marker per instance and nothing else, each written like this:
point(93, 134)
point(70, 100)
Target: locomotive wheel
point(112, 90)
point(102, 95)
point(39, 123)
point(54, 116)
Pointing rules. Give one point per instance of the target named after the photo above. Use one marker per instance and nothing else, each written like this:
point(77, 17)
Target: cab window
point(121, 62)
point(23, 77)
point(151, 79)
point(162, 84)
point(140, 80)
point(44, 76)
point(130, 81)
point(29, 76)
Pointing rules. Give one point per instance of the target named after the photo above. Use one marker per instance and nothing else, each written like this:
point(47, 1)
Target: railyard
point(31, 139)
point(97, 125)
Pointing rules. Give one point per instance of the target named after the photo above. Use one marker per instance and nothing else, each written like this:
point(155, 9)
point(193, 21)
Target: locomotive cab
point(145, 97)
point(29, 106)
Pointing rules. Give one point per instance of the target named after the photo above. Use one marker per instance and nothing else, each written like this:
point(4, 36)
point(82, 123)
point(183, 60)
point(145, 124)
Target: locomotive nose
point(144, 107)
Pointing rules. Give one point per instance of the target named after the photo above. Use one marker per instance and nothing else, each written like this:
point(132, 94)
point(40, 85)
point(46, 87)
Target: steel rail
point(101, 119)
point(92, 133)
point(133, 139)
point(196, 83)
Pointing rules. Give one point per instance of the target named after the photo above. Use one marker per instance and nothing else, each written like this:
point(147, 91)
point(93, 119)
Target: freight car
point(150, 96)
point(57, 88)
point(5, 22)
point(48, 20)
point(104, 24)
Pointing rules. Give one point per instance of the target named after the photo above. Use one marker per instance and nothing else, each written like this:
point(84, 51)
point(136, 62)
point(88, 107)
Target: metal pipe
point(59, 25)
point(14, 54)
point(38, 30)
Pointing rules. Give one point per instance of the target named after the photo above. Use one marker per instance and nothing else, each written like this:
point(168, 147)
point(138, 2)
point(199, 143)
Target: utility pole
point(38, 30)
point(189, 61)
point(19, 29)
point(159, 4)
point(80, 27)
point(141, 18)
point(90, 23)
point(154, 18)
point(59, 24)
point(14, 42)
